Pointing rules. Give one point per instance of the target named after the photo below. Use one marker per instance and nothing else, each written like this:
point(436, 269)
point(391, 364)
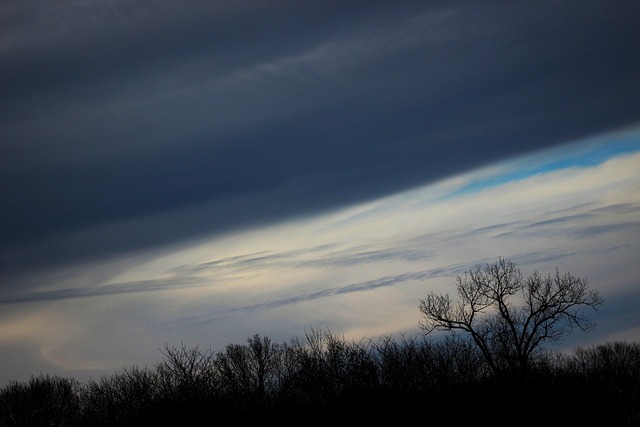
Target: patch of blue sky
point(580, 155)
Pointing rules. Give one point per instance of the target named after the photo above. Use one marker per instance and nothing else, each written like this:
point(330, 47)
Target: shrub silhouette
point(615, 369)
point(42, 401)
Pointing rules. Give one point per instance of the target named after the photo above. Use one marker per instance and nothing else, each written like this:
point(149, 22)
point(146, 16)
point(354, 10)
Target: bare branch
point(509, 333)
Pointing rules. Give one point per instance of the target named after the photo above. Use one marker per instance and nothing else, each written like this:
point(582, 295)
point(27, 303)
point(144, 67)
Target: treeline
point(325, 378)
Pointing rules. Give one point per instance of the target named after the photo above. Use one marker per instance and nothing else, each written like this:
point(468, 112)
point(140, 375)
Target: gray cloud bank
point(130, 125)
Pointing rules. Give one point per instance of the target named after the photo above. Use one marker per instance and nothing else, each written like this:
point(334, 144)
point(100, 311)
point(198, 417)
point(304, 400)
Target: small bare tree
point(186, 373)
point(508, 332)
point(250, 371)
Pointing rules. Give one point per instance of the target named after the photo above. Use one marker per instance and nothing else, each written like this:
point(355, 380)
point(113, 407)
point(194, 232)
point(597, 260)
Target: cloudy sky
point(202, 171)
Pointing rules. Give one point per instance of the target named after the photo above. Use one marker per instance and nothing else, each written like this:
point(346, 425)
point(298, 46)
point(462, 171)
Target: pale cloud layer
point(359, 271)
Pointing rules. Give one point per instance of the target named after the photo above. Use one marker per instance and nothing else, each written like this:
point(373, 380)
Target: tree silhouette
point(510, 333)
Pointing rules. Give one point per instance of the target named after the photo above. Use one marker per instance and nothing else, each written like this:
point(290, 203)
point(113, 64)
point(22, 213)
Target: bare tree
point(186, 373)
point(250, 371)
point(509, 332)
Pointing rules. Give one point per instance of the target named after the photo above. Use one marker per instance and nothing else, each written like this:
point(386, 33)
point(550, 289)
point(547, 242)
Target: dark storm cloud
point(204, 116)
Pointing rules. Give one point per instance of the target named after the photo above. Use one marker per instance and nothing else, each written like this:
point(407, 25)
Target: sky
point(199, 171)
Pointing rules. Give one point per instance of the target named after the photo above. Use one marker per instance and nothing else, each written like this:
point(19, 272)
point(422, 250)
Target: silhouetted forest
point(490, 367)
point(325, 378)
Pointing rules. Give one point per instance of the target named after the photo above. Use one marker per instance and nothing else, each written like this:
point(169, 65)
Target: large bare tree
point(507, 316)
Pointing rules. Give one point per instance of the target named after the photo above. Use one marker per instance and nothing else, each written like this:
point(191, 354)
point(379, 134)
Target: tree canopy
point(508, 316)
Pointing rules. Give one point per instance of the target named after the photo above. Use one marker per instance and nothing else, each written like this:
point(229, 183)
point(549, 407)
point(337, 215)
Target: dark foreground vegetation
point(490, 368)
point(326, 378)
